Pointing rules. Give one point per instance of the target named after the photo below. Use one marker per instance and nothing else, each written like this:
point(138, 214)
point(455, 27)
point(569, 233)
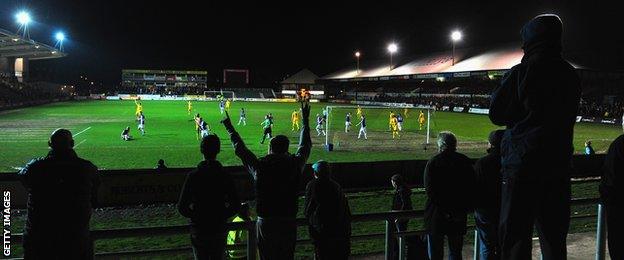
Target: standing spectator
point(538, 101)
point(449, 181)
point(208, 198)
point(160, 166)
point(612, 195)
point(402, 200)
point(328, 214)
point(487, 201)
point(62, 189)
point(589, 150)
point(277, 179)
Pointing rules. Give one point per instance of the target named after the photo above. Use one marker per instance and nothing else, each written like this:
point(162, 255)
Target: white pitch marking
point(80, 143)
point(81, 131)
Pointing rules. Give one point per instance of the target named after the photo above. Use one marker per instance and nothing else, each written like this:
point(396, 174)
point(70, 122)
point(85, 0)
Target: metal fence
point(389, 235)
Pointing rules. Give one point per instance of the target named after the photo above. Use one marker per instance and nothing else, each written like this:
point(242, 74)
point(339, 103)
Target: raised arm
point(250, 161)
point(305, 142)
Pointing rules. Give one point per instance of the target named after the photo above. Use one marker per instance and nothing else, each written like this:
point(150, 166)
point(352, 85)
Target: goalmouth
point(377, 126)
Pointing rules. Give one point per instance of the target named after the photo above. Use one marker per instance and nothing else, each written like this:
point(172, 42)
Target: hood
point(542, 33)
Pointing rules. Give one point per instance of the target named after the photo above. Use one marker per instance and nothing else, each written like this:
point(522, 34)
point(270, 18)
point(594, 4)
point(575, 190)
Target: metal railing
point(390, 236)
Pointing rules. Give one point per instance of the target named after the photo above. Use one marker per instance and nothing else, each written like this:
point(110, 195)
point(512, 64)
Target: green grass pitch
point(170, 133)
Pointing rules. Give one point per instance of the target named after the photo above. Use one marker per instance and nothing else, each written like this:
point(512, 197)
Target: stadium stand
point(17, 94)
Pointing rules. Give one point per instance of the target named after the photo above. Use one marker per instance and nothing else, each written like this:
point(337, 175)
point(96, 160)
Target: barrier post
point(477, 246)
point(601, 234)
point(389, 241)
point(251, 241)
point(402, 248)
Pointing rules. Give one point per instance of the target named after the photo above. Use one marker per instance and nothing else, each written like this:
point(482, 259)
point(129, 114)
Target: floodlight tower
point(59, 37)
point(23, 19)
point(392, 48)
point(357, 57)
point(455, 37)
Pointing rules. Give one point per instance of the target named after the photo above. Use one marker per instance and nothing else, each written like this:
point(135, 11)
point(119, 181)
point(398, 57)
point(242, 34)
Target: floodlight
point(392, 47)
point(23, 18)
point(59, 36)
point(357, 54)
point(456, 36)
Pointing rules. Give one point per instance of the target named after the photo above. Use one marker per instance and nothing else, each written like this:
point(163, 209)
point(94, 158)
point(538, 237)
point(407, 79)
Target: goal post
point(378, 130)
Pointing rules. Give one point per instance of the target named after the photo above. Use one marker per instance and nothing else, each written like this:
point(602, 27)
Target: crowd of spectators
point(592, 107)
point(14, 93)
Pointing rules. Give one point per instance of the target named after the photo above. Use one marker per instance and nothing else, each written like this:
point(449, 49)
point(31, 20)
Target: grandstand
point(16, 53)
point(432, 80)
point(163, 81)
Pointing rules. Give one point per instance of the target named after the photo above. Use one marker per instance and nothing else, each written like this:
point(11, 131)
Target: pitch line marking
point(80, 143)
point(81, 131)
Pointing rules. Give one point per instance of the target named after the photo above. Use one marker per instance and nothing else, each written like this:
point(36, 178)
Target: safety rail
point(389, 235)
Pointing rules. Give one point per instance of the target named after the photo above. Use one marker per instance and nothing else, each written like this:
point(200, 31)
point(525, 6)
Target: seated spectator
point(328, 214)
point(62, 191)
point(208, 199)
point(487, 201)
point(589, 150)
point(449, 182)
point(612, 195)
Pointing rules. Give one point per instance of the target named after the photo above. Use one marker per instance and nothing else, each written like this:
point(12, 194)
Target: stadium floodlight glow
point(357, 57)
point(23, 18)
point(59, 36)
point(456, 36)
point(392, 48)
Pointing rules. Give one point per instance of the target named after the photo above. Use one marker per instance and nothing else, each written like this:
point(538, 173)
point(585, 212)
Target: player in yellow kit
point(294, 118)
point(421, 119)
point(359, 111)
point(228, 103)
point(139, 108)
point(394, 126)
point(189, 107)
point(392, 117)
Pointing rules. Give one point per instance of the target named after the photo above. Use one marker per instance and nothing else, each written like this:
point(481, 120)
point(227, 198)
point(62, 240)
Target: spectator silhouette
point(208, 199)
point(589, 150)
point(160, 166)
point(328, 214)
point(449, 182)
point(612, 195)
point(538, 101)
point(487, 200)
point(401, 200)
point(277, 179)
point(62, 191)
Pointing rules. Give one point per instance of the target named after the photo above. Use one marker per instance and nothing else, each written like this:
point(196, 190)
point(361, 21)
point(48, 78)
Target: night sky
point(277, 39)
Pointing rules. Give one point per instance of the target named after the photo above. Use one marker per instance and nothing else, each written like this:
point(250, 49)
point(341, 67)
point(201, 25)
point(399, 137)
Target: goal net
point(216, 93)
point(414, 130)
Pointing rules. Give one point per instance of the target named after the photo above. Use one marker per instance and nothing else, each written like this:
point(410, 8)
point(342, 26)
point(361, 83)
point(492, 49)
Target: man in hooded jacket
point(537, 102)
